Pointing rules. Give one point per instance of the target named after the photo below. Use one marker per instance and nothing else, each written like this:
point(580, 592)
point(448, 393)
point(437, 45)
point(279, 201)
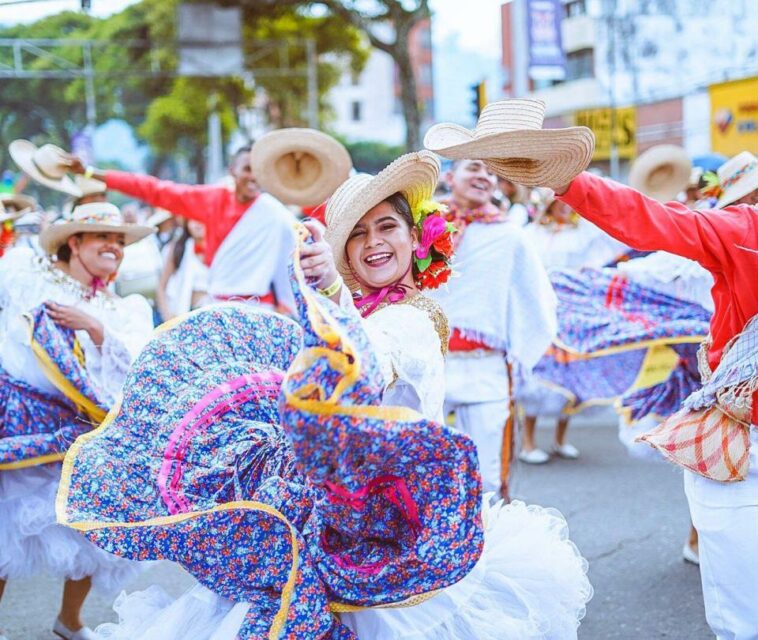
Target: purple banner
point(546, 58)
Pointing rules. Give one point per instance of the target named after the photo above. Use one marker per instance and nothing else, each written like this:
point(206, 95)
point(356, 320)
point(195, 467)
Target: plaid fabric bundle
point(709, 435)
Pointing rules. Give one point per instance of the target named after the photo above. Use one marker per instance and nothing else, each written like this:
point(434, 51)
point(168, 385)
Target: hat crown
point(97, 213)
point(734, 168)
point(510, 115)
point(51, 161)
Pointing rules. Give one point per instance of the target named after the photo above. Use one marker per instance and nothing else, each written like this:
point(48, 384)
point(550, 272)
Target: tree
point(402, 16)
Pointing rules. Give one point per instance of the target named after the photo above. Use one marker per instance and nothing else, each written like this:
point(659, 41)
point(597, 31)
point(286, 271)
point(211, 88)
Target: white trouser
point(478, 392)
point(726, 518)
point(483, 422)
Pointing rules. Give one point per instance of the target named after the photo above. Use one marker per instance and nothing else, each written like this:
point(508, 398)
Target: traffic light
point(86, 5)
point(479, 99)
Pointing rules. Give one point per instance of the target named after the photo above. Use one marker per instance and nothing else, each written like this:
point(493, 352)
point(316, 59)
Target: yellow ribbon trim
point(632, 346)
point(32, 462)
point(59, 381)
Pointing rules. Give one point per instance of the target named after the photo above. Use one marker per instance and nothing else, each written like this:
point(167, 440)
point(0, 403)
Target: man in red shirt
point(249, 235)
point(725, 242)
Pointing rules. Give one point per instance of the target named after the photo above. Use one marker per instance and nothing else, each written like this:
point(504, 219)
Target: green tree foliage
point(135, 60)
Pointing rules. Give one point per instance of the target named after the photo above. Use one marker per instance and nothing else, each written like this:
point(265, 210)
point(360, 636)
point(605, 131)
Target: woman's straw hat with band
point(299, 166)
point(47, 165)
point(414, 175)
point(94, 217)
point(661, 172)
point(738, 177)
point(510, 139)
point(21, 204)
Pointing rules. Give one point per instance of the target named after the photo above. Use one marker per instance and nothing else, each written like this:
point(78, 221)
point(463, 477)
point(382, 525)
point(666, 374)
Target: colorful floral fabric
point(608, 326)
point(36, 427)
point(255, 452)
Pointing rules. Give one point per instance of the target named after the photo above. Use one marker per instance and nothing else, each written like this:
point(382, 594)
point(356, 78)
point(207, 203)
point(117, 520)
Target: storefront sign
point(624, 131)
point(734, 117)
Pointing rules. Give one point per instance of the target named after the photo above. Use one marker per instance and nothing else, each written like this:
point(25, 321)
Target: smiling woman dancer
point(385, 505)
point(66, 343)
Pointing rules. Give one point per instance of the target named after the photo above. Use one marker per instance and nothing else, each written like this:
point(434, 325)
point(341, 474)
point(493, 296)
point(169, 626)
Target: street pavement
point(627, 516)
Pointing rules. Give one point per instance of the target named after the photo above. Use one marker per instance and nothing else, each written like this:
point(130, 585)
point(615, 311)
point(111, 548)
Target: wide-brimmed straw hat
point(299, 166)
point(92, 217)
point(6, 215)
point(414, 175)
point(19, 201)
point(738, 176)
point(510, 139)
point(661, 172)
point(159, 217)
point(47, 165)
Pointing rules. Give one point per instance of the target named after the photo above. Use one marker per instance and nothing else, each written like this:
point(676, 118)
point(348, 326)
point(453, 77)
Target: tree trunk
point(408, 93)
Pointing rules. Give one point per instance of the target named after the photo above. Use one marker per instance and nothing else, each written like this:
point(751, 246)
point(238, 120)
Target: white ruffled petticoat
point(530, 584)
point(33, 543)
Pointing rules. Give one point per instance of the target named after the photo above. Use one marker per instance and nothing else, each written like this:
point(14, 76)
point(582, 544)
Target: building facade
point(645, 72)
point(367, 105)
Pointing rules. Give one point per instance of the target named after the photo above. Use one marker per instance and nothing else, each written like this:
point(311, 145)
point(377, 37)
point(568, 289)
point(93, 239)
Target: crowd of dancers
point(320, 430)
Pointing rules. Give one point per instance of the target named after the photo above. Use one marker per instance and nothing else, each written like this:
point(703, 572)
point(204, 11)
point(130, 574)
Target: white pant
point(726, 518)
point(478, 392)
point(483, 423)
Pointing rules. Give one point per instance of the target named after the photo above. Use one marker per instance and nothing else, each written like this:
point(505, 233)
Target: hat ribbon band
point(731, 180)
point(43, 172)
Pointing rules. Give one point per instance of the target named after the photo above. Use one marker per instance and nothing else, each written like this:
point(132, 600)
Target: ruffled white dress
point(530, 582)
point(30, 540)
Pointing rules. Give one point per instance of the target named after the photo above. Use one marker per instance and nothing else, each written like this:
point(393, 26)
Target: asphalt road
point(627, 516)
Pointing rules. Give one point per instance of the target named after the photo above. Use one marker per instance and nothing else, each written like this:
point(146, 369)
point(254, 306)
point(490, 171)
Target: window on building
point(580, 64)
point(425, 37)
point(355, 111)
point(355, 78)
point(576, 8)
point(425, 74)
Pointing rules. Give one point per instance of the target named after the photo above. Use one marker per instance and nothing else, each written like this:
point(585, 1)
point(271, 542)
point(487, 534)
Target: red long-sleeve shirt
point(723, 241)
point(214, 205)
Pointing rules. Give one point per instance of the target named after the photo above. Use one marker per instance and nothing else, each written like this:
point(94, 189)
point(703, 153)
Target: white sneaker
point(566, 450)
point(535, 456)
point(62, 631)
point(690, 555)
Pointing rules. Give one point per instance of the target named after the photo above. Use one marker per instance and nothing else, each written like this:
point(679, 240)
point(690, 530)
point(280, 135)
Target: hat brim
point(333, 159)
point(672, 166)
point(739, 189)
point(21, 202)
point(22, 152)
point(5, 216)
point(531, 157)
point(55, 235)
point(415, 175)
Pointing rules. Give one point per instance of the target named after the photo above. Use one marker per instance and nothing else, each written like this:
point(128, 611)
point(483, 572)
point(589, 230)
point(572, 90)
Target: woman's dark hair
point(399, 203)
point(180, 245)
point(63, 253)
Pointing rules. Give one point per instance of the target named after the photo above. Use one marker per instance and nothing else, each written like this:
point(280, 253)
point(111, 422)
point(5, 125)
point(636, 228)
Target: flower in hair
point(431, 259)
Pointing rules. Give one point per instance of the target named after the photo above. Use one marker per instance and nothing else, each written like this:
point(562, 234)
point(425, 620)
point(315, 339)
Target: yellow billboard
point(624, 131)
point(734, 116)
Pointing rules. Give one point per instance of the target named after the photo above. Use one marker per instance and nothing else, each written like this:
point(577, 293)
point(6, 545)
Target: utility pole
point(610, 10)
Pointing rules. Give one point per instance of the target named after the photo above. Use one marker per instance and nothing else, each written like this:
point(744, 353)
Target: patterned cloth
point(254, 452)
point(618, 339)
point(709, 435)
point(36, 427)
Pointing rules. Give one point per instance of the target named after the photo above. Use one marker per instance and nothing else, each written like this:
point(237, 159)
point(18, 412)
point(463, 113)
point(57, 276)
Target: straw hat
point(299, 166)
point(19, 201)
point(738, 176)
point(91, 218)
point(414, 175)
point(661, 172)
point(47, 164)
point(159, 217)
point(89, 186)
point(510, 138)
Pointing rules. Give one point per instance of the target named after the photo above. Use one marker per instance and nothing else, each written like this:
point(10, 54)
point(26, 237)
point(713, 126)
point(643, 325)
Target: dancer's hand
point(316, 258)
point(76, 319)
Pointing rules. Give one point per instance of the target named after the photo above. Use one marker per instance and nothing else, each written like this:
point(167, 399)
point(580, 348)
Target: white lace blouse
point(26, 281)
point(410, 341)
